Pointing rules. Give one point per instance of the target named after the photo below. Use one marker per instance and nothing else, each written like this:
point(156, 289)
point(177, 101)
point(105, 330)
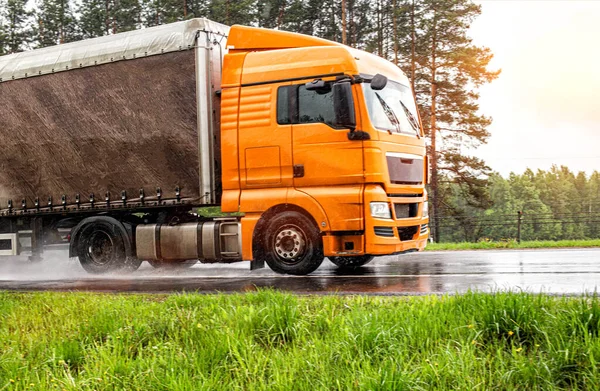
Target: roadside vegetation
point(276, 341)
point(489, 245)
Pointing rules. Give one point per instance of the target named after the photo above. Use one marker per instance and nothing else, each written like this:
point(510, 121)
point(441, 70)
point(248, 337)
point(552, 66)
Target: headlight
point(381, 210)
point(425, 209)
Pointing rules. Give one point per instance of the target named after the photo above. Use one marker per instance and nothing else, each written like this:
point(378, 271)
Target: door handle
point(298, 170)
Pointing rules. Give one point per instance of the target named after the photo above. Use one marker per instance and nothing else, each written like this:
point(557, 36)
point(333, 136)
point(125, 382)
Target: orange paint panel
point(230, 200)
point(259, 133)
point(343, 205)
point(263, 166)
point(284, 64)
point(229, 138)
point(252, 38)
point(259, 200)
point(336, 245)
point(249, 222)
point(232, 69)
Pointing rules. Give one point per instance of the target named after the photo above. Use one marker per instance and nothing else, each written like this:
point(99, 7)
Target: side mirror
point(343, 104)
point(378, 82)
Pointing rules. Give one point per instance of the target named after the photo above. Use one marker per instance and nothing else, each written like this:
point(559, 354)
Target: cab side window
point(283, 105)
point(297, 105)
point(315, 106)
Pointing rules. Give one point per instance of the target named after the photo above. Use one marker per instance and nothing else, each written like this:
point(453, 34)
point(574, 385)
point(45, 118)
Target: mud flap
point(256, 264)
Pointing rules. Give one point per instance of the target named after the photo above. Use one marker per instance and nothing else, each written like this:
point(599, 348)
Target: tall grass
point(276, 341)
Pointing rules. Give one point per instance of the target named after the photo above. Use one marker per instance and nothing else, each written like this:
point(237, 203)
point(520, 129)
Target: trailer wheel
point(292, 244)
point(351, 262)
point(185, 264)
point(101, 249)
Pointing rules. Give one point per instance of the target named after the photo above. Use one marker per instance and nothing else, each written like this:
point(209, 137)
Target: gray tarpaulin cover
point(105, 132)
point(90, 52)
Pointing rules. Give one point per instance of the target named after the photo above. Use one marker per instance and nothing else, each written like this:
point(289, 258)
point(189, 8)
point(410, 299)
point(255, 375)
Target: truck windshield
point(392, 108)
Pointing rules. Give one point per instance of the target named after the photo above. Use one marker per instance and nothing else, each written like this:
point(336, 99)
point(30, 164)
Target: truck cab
point(328, 136)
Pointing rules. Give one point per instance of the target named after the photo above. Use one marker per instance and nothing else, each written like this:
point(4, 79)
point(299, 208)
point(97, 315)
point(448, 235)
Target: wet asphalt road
point(567, 271)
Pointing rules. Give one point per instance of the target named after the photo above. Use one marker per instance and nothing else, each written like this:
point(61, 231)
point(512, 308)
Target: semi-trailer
point(317, 148)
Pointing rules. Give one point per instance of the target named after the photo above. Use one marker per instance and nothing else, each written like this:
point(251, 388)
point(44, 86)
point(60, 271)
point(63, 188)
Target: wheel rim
point(290, 244)
point(100, 247)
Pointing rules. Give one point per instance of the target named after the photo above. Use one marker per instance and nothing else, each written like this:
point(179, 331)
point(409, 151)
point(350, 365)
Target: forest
point(556, 204)
point(428, 39)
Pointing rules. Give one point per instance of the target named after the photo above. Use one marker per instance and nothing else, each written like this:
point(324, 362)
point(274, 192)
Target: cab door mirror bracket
point(343, 104)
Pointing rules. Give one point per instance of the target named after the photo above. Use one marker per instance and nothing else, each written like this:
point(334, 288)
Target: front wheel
point(292, 244)
point(351, 262)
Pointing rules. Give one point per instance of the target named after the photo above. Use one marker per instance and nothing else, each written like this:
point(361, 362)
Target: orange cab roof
point(254, 38)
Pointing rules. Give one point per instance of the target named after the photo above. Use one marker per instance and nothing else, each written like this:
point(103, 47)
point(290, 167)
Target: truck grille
point(423, 229)
point(408, 233)
point(384, 231)
point(405, 169)
point(405, 211)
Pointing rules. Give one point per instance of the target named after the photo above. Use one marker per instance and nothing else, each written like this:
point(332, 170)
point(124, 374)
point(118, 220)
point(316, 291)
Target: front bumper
point(400, 233)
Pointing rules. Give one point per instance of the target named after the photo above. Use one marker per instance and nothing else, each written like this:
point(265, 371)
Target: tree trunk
point(352, 27)
point(379, 29)
point(433, 133)
point(395, 34)
point(107, 17)
point(413, 68)
point(281, 14)
point(344, 41)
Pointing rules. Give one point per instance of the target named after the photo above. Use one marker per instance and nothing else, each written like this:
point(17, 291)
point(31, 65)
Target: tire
point(173, 264)
point(292, 244)
point(351, 262)
point(101, 249)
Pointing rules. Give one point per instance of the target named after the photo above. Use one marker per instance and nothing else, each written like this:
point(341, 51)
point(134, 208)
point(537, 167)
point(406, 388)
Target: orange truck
point(115, 144)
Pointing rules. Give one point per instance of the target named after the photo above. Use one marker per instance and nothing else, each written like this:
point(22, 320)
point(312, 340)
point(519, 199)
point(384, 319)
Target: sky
point(545, 104)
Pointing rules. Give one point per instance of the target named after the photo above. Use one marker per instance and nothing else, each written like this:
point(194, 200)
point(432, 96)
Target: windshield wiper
point(411, 119)
point(390, 114)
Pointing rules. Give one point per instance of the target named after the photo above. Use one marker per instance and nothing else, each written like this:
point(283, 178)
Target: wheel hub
point(289, 243)
point(100, 249)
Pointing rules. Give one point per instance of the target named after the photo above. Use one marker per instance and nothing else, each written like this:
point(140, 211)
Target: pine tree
point(126, 15)
point(271, 13)
point(17, 32)
point(2, 29)
point(196, 8)
point(448, 70)
point(231, 12)
point(157, 12)
point(359, 22)
point(56, 23)
point(94, 20)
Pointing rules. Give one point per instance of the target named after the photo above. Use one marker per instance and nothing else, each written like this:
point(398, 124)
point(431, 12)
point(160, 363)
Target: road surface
point(565, 271)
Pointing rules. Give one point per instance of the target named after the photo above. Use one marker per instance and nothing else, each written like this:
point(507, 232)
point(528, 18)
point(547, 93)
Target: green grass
point(275, 341)
point(487, 245)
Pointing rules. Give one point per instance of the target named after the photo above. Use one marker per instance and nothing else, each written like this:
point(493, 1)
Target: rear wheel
point(185, 264)
point(351, 262)
point(292, 244)
point(101, 249)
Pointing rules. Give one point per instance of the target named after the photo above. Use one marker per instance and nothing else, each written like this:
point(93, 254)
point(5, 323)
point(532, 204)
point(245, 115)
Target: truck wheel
point(101, 249)
point(173, 264)
point(292, 244)
point(351, 262)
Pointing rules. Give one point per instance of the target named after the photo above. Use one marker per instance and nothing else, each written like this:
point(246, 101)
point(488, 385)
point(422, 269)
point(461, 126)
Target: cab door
point(265, 142)
point(322, 153)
